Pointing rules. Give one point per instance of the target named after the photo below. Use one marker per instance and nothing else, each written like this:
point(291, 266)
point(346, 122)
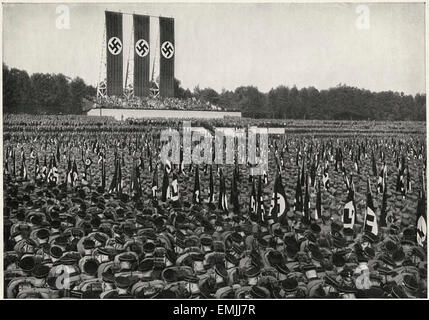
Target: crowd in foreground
point(89, 241)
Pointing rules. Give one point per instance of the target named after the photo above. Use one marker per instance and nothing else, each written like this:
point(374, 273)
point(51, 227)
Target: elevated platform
point(122, 114)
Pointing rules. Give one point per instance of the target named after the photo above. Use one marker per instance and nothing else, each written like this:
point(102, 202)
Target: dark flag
point(44, 170)
point(349, 211)
point(13, 164)
point(253, 204)
point(87, 165)
point(318, 209)
point(53, 172)
point(421, 221)
point(211, 186)
point(307, 215)
point(279, 204)
point(265, 175)
point(298, 195)
point(234, 193)
point(37, 175)
point(154, 183)
point(69, 168)
point(103, 172)
point(400, 183)
point(196, 198)
point(58, 152)
point(23, 172)
point(119, 180)
point(223, 200)
point(381, 179)
point(357, 167)
point(6, 165)
point(386, 218)
point(165, 185)
point(174, 189)
point(408, 183)
point(141, 161)
point(325, 179)
point(260, 201)
point(150, 158)
point(32, 154)
point(370, 222)
point(114, 183)
point(136, 190)
point(303, 175)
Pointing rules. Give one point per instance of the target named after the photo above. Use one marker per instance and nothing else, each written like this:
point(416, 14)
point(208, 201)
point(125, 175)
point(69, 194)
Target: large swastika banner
point(114, 50)
point(141, 55)
point(167, 54)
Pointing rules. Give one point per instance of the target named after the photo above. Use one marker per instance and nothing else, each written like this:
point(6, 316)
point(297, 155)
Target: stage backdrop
point(141, 55)
point(114, 50)
point(167, 54)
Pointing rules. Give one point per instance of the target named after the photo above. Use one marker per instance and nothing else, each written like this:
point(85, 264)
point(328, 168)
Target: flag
point(87, 165)
point(303, 175)
point(318, 209)
point(223, 200)
point(211, 186)
point(370, 222)
point(44, 174)
point(135, 181)
point(349, 211)
point(381, 179)
point(174, 189)
point(421, 221)
point(234, 193)
point(23, 172)
point(72, 174)
point(103, 172)
point(386, 218)
point(374, 165)
point(279, 204)
point(307, 216)
point(114, 183)
point(165, 186)
point(260, 202)
point(58, 152)
point(325, 179)
point(154, 183)
point(119, 181)
point(265, 175)
point(196, 198)
point(53, 172)
point(253, 204)
point(6, 165)
point(37, 174)
point(298, 195)
point(167, 166)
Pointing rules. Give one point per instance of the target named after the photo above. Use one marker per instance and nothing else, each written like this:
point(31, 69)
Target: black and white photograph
point(204, 150)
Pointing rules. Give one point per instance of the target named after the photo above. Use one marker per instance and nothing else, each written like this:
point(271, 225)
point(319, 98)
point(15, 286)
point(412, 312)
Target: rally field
point(312, 145)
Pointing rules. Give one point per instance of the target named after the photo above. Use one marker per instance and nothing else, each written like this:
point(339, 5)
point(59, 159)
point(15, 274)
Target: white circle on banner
point(115, 45)
point(421, 230)
point(142, 48)
point(167, 49)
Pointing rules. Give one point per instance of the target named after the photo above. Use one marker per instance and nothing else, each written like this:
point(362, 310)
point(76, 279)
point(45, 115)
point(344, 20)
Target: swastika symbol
point(114, 45)
point(167, 49)
point(142, 48)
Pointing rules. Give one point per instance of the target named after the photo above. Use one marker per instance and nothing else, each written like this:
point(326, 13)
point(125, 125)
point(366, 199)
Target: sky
point(226, 45)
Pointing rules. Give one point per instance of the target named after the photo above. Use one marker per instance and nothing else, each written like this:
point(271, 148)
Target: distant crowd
point(156, 103)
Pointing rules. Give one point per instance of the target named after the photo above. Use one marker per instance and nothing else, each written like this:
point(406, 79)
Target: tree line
point(339, 103)
point(43, 93)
